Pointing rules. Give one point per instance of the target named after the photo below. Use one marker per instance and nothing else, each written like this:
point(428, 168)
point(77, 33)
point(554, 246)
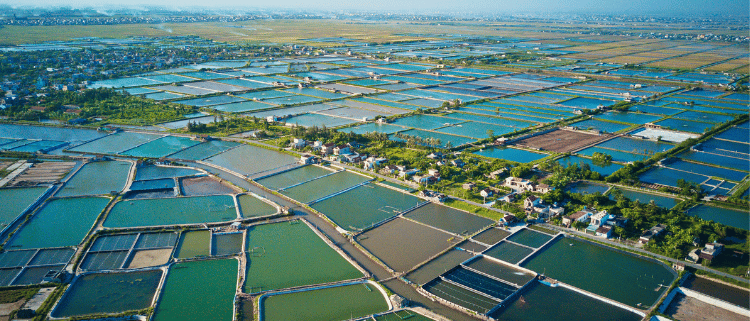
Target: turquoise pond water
point(97, 178)
point(168, 211)
point(63, 222)
point(735, 218)
point(161, 147)
point(644, 198)
point(14, 201)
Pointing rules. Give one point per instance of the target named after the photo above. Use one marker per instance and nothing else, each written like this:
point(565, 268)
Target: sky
point(676, 7)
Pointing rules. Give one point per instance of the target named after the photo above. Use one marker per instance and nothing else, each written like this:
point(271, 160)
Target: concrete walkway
point(644, 252)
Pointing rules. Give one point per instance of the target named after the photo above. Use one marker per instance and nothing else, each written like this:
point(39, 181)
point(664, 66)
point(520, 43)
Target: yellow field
point(729, 65)
point(688, 62)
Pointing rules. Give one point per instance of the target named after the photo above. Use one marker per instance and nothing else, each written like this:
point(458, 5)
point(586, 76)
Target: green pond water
point(325, 186)
point(204, 150)
point(292, 177)
point(461, 296)
point(509, 252)
point(438, 266)
point(289, 254)
point(337, 303)
point(199, 291)
point(115, 143)
point(544, 303)
point(500, 271)
point(449, 219)
point(530, 238)
point(736, 218)
point(227, 244)
point(618, 276)
point(402, 244)
point(248, 159)
point(365, 205)
point(168, 211)
point(13, 201)
point(491, 236)
point(61, 222)
point(251, 206)
point(402, 315)
point(194, 243)
point(97, 178)
point(159, 172)
point(108, 293)
point(161, 147)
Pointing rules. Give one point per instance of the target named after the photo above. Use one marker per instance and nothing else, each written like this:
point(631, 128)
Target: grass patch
point(11, 296)
point(481, 211)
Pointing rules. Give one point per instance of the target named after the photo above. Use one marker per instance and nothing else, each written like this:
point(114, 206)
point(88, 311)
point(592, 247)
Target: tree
point(490, 133)
point(448, 145)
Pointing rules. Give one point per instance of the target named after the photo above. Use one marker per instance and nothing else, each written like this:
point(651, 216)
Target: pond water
point(402, 244)
point(204, 150)
point(292, 177)
point(530, 238)
point(365, 205)
point(645, 198)
point(108, 293)
point(247, 159)
point(161, 147)
point(439, 265)
point(61, 222)
point(508, 252)
point(621, 277)
point(511, 154)
point(97, 178)
point(449, 219)
point(251, 206)
point(159, 172)
point(587, 188)
point(542, 303)
point(319, 188)
point(328, 304)
point(735, 218)
point(14, 201)
point(115, 143)
point(491, 236)
point(604, 126)
point(718, 290)
point(227, 243)
point(169, 211)
point(276, 253)
point(194, 244)
point(208, 286)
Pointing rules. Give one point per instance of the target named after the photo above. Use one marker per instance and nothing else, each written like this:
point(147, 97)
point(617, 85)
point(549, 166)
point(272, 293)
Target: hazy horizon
point(633, 7)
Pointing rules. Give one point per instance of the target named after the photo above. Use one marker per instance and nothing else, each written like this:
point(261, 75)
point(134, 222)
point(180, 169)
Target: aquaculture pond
point(290, 254)
point(736, 218)
point(509, 252)
point(511, 154)
point(61, 222)
point(194, 244)
point(14, 201)
point(169, 211)
point(108, 293)
point(437, 266)
point(462, 296)
point(161, 147)
point(97, 178)
point(604, 169)
point(540, 302)
point(615, 275)
point(402, 315)
point(530, 238)
point(444, 138)
point(204, 150)
point(247, 159)
point(365, 205)
point(587, 188)
point(199, 290)
point(728, 293)
point(227, 243)
point(71, 135)
point(604, 126)
point(293, 177)
point(327, 304)
point(449, 219)
point(251, 206)
point(115, 143)
point(319, 188)
point(402, 244)
point(159, 172)
point(645, 198)
point(505, 272)
point(491, 236)
point(372, 127)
